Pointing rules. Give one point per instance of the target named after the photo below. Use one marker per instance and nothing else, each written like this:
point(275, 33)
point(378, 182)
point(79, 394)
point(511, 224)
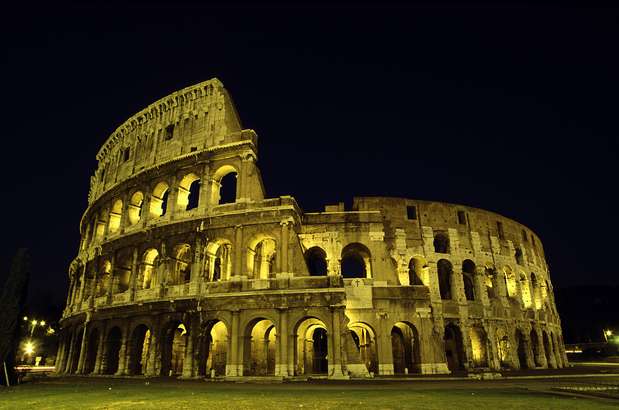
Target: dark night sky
point(512, 109)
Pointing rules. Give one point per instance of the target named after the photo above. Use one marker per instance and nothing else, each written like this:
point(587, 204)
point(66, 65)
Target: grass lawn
point(133, 394)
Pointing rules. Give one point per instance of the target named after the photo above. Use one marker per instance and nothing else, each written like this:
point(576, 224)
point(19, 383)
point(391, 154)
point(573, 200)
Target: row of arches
point(222, 190)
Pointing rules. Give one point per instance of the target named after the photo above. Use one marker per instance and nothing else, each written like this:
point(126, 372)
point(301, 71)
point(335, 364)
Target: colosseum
point(185, 269)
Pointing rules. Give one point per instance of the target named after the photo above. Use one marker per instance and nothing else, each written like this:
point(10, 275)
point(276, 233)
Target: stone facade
point(175, 278)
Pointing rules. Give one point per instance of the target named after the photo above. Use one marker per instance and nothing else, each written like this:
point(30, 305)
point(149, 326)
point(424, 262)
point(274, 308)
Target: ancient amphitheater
point(186, 269)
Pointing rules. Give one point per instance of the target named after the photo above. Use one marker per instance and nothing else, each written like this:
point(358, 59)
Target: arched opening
point(188, 192)
point(445, 271)
point(356, 261)
point(115, 215)
point(91, 351)
point(104, 278)
point(454, 351)
point(224, 185)
point(99, 224)
point(218, 260)
point(527, 301)
point(261, 257)
point(510, 282)
point(214, 349)
point(122, 272)
point(556, 349)
point(469, 289)
point(522, 350)
point(259, 351)
point(139, 350)
point(535, 348)
point(316, 259)
point(134, 210)
point(311, 347)
point(441, 243)
point(181, 272)
point(112, 350)
point(489, 278)
point(150, 262)
point(159, 200)
point(76, 351)
point(415, 268)
point(173, 345)
point(364, 343)
point(519, 257)
point(405, 348)
point(479, 347)
point(503, 348)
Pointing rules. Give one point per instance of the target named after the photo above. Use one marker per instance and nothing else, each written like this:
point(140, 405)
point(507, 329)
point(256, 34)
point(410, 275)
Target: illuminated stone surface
point(171, 280)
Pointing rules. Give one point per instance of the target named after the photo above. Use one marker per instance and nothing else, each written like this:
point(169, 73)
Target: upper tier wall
point(192, 119)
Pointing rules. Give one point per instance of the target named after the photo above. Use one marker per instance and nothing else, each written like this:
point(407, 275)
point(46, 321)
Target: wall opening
point(454, 350)
point(260, 348)
point(134, 209)
point(356, 261)
point(445, 271)
point(441, 243)
point(405, 348)
point(214, 350)
point(174, 343)
point(316, 259)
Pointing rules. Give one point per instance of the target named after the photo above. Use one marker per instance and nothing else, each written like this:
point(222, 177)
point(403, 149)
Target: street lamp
point(607, 333)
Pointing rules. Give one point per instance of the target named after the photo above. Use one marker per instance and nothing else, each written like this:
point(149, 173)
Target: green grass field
point(133, 394)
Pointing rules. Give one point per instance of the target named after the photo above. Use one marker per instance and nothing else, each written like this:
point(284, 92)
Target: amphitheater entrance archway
point(91, 351)
point(311, 347)
point(535, 348)
point(454, 350)
point(214, 349)
point(521, 350)
point(76, 351)
point(405, 348)
point(364, 339)
point(547, 348)
point(479, 346)
point(112, 350)
point(260, 348)
point(139, 350)
point(173, 345)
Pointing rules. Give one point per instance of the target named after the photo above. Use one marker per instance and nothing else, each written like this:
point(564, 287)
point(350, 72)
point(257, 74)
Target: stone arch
point(519, 257)
point(479, 346)
point(445, 271)
point(75, 355)
point(468, 278)
point(504, 349)
point(454, 348)
point(316, 260)
point(213, 348)
point(173, 345)
point(441, 242)
point(104, 277)
point(225, 185)
point(111, 357)
point(115, 216)
point(134, 208)
point(122, 271)
point(510, 282)
point(525, 290)
point(547, 349)
point(261, 256)
point(181, 268)
point(139, 350)
point(490, 281)
point(150, 261)
point(366, 350)
point(260, 347)
point(311, 347)
point(159, 200)
point(416, 267)
point(188, 192)
point(405, 348)
point(356, 261)
point(218, 260)
point(521, 349)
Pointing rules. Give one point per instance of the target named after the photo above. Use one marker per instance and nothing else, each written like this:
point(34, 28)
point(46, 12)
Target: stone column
point(196, 267)
point(550, 354)
point(284, 246)
point(203, 200)
point(153, 349)
point(188, 363)
point(83, 286)
point(145, 217)
point(541, 356)
point(281, 368)
point(134, 274)
point(60, 354)
point(233, 365)
point(335, 356)
point(237, 267)
point(83, 352)
point(70, 355)
point(100, 348)
point(110, 284)
point(123, 213)
point(122, 354)
point(172, 198)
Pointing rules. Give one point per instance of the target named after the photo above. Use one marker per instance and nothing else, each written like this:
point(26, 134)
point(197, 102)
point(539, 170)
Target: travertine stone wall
point(172, 279)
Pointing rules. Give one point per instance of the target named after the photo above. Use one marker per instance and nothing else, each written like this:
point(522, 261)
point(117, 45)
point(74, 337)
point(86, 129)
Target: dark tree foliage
point(12, 301)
